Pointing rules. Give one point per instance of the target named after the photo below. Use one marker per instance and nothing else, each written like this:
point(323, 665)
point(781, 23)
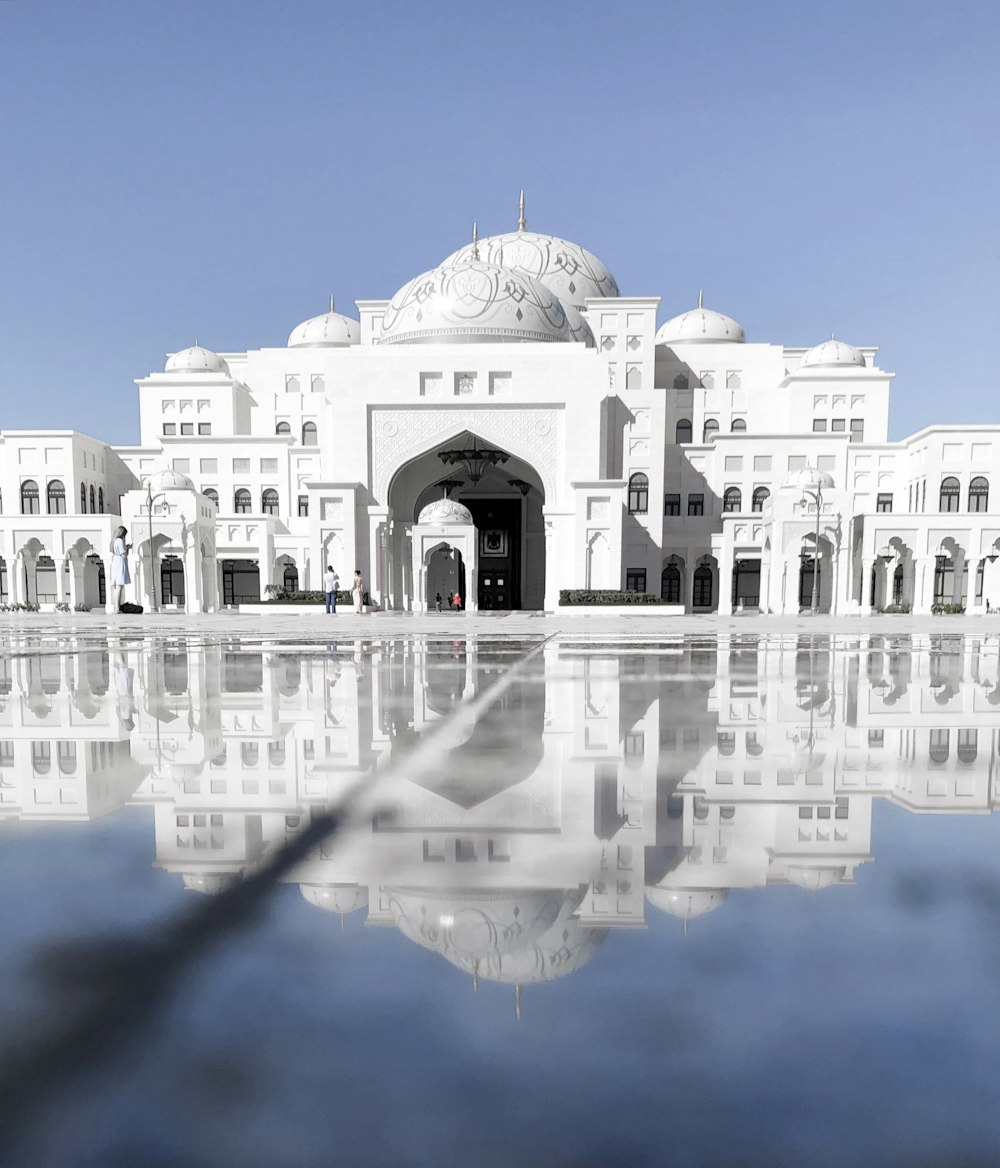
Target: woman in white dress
point(358, 590)
point(119, 567)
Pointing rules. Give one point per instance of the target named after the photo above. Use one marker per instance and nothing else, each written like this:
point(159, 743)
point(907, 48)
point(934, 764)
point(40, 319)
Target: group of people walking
point(330, 582)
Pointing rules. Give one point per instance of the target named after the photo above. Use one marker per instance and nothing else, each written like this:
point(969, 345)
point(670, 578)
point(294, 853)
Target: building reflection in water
point(607, 782)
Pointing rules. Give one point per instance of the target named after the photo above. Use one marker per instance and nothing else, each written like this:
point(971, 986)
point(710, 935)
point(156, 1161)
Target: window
point(883, 502)
point(707, 379)
point(838, 425)
point(93, 500)
point(670, 584)
point(100, 500)
point(169, 429)
point(739, 426)
point(635, 580)
point(213, 494)
point(187, 429)
point(968, 745)
point(682, 434)
point(819, 425)
point(204, 429)
point(283, 428)
point(182, 464)
point(671, 504)
point(796, 461)
point(638, 494)
point(759, 495)
point(209, 466)
point(762, 462)
point(681, 381)
point(732, 500)
point(241, 466)
point(950, 491)
point(939, 746)
point(269, 501)
point(701, 594)
point(55, 498)
point(83, 498)
point(857, 429)
point(979, 494)
point(303, 506)
point(710, 430)
point(310, 436)
point(29, 497)
point(268, 466)
point(241, 501)
point(696, 504)
point(290, 578)
point(733, 380)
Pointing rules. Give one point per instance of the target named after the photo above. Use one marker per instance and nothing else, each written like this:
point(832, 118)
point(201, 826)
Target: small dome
point(169, 480)
point(336, 898)
point(474, 302)
point(830, 354)
point(685, 903)
point(332, 330)
point(700, 326)
point(569, 270)
point(196, 360)
point(210, 882)
point(445, 512)
point(579, 329)
point(809, 479)
point(813, 877)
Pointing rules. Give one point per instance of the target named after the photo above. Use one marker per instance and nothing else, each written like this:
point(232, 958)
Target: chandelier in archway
point(476, 459)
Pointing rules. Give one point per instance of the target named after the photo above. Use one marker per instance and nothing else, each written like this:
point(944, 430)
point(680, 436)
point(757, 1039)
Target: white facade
point(625, 457)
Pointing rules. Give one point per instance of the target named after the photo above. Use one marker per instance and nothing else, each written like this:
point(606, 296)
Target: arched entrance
point(505, 496)
point(445, 575)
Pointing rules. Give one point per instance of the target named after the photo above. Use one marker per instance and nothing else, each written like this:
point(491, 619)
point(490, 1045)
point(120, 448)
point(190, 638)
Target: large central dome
point(473, 302)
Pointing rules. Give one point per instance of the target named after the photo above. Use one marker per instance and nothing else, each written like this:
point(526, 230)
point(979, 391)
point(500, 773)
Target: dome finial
point(520, 214)
point(475, 240)
point(701, 297)
point(517, 1001)
point(331, 302)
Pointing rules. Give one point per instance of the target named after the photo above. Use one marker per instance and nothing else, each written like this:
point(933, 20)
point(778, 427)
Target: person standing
point(451, 599)
point(330, 582)
point(119, 567)
point(458, 602)
point(438, 602)
point(358, 590)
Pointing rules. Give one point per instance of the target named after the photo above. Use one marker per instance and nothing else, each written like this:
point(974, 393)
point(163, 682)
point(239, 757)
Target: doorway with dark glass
point(498, 532)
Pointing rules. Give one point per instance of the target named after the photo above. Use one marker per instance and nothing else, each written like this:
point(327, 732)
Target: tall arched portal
point(506, 497)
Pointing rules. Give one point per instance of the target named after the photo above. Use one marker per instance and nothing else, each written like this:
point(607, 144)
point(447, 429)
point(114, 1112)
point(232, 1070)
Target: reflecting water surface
point(689, 902)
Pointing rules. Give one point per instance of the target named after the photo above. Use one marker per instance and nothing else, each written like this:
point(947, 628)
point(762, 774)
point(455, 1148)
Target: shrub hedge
point(285, 596)
point(895, 608)
point(606, 596)
point(948, 609)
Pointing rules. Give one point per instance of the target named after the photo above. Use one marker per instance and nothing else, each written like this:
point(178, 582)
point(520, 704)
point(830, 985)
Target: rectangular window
point(819, 425)
point(205, 429)
point(268, 466)
point(884, 501)
point(796, 461)
point(182, 464)
point(734, 462)
point(671, 504)
point(209, 466)
point(187, 428)
point(876, 739)
point(303, 506)
point(826, 462)
point(696, 504)
point(762, 462)
point(635, 580)
point(857, 429)
point(838, 425)
point(169, 429)
point(318, 383)
point(241, 466)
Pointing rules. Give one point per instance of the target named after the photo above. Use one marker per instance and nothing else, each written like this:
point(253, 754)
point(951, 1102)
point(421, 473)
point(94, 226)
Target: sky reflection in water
point(610, 920)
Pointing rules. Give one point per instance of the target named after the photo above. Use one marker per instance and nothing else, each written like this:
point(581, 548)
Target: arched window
point(968, 745)
point(55, 497)
point(638, 494)
point(249, 753)
point(93, 500)
point(711, 429)
point(732, 500)
point(29, 497)
point(726, 743)
point(83, 498)
point(41, 757)
point(759, 495)
point(269, 501)
point(290, 578)
point(276, 753)
point(213, 494)
point(683, 432)
point(670, 584)
point(309, 435)
point(939, 746)
point(66, 758)
point(100, 500)
point(283, 428)
point(701, 594)
point(950, 491)
point(739, 426)
point(979, 494)
point(242, 502)
point(681, 381)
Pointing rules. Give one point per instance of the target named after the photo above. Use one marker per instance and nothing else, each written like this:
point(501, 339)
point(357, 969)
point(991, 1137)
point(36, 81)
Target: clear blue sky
point(172, 169)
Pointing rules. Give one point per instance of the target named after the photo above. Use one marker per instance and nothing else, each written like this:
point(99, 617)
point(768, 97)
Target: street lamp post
point(811, 483)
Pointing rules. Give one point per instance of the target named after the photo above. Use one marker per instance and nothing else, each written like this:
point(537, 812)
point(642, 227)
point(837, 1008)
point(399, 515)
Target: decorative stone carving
point(445, 511)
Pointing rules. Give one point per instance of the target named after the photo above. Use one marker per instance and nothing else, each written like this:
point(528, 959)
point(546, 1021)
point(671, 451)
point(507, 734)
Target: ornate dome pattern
point(336, 898)
point(196, 360)
point(445, 512)
point(331, 330)
point(569, 270)
point(473, 302)
point(700, 326)
point(832, 353)
point(169, 480)
point(685, 903)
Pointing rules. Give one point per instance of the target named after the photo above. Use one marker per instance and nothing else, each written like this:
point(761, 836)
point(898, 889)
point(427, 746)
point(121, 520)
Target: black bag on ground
point(131, 609)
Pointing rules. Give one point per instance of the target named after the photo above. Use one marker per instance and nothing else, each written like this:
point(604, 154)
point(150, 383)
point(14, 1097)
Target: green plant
point(62, 606)
point(896, 608)
point(19, 608)
point(281, 595)
point(605, 596)
point(948, 609)
point(81, 608)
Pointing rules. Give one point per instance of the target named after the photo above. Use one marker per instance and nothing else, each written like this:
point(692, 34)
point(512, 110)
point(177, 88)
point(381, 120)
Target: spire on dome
point(701, 298)
point(331, 302)
point(521, 224)
point(475, 240)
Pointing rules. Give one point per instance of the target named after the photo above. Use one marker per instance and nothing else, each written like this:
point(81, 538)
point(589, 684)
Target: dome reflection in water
point(628, 843)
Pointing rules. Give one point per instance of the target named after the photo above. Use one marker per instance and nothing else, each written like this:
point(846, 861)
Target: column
point(726, 580)
point(16, 579)
point(866, 586)
point(690, 567)
point(923, 584)
point(958, 561)
point(193, 598)
point(765, 582)
point(76, 589)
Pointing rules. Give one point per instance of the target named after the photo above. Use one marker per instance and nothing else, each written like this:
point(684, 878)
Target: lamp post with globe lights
point(811, 483)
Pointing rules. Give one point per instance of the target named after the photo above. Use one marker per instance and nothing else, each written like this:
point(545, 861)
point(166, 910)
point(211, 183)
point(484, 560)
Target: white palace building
point(509, 425)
